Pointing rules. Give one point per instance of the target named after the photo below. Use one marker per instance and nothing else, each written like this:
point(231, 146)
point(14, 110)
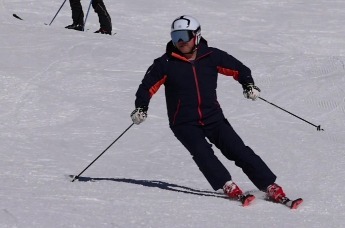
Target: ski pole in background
point(317, 127)
point(76, 177)
point(87, 14)
point(57, 12)
point(16, 16)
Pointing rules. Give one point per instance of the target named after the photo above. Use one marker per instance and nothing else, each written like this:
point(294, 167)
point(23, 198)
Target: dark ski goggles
point(182, 35)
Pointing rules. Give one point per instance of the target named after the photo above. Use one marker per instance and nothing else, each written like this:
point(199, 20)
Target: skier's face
point(185, 47)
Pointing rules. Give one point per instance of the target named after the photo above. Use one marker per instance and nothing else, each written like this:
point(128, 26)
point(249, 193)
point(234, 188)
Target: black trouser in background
point(223, 136)
point(98, 6)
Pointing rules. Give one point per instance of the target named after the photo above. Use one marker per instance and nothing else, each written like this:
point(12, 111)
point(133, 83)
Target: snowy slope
point(66, 95)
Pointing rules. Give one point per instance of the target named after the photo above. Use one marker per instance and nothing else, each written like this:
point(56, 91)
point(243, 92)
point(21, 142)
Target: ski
point(292, 204)
point(246, 199)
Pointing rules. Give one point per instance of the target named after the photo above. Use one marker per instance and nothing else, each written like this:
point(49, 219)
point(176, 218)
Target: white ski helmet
point(185, 28)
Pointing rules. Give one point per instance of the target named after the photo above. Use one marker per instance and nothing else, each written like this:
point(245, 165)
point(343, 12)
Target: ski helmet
point(185, 28)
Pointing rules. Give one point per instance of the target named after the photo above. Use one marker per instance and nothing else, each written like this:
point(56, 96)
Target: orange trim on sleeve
point(156, 86)
point(228, 72)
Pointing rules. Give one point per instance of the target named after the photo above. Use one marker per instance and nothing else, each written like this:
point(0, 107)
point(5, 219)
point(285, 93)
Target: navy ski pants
point(224, 137)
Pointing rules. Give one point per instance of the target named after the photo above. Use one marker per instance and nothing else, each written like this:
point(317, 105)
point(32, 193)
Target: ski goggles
point(182, 35)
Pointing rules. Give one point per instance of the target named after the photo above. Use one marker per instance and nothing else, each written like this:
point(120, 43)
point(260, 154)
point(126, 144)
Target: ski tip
point(247, 199)
point(295, 203)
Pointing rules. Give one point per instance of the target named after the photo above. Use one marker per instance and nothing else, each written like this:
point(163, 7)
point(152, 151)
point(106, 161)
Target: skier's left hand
point(251, 91)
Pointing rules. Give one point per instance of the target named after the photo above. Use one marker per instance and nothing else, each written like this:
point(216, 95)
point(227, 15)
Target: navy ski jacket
point(190, 86)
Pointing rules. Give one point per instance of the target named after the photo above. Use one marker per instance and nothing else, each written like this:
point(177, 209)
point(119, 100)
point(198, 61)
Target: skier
point(189, 71)
point(78, 16)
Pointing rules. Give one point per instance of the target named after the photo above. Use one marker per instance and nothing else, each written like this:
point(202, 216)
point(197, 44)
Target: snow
point(66, 95)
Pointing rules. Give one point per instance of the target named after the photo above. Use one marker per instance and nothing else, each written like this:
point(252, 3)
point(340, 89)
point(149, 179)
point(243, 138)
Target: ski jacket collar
point(202, 50)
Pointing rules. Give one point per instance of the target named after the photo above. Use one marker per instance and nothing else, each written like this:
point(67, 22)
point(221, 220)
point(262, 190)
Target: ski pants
point(98, 6)
point(224, 137)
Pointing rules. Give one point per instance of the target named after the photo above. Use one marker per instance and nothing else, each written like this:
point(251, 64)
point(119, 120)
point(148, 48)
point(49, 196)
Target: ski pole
point(317, 127)
point(87, 14)
point(76, 177)
point(57, 12)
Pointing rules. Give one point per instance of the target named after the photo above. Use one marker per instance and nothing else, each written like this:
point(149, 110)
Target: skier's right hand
point(139, 114)
point(251, 91)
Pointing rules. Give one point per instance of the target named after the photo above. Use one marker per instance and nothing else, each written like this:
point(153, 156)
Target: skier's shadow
point(158, 184)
